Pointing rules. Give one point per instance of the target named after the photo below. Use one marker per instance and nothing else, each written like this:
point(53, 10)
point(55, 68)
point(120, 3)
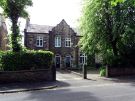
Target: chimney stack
point(27, 23)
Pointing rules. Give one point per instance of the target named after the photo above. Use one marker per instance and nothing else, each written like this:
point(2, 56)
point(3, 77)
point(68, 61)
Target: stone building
point(61, 39)
point(3, 34)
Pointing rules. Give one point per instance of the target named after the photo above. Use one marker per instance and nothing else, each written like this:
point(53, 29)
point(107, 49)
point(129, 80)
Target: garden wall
point(112, 72)
point(27, 76)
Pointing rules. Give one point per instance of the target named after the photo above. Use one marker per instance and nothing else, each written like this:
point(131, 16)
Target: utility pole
point(84, 71)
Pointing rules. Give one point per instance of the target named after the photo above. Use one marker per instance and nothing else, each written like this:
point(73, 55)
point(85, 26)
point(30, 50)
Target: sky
point(51, 12)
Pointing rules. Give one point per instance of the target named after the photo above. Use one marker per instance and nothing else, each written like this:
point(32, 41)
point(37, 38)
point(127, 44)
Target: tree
point(107, 26)
point(14, 9)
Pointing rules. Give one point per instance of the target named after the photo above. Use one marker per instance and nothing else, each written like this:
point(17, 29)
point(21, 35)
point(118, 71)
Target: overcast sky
point(51, 12)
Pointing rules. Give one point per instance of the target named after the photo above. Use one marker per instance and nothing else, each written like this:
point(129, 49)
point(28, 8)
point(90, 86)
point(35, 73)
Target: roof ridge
point(42, 25)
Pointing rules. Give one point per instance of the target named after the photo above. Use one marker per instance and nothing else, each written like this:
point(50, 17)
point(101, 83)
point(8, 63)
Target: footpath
point(94, 75)
point(23, 87)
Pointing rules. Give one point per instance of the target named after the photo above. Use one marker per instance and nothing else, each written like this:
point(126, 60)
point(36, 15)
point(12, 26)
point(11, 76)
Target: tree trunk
point(15, 35)
point(109, 30)
point(114, 48)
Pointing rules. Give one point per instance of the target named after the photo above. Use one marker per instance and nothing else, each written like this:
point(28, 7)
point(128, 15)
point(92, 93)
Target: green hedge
point(27, 60)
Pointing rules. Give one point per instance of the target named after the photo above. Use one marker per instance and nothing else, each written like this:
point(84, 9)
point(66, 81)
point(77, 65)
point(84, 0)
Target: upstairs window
point(39, 41)
point(67, 42)
point(58, 41)
point(83, 58)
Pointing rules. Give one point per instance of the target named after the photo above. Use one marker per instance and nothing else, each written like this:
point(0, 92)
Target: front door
point(68, 61)
point(57, 61)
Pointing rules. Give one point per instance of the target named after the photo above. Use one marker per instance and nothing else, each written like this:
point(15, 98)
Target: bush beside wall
point(26, 60)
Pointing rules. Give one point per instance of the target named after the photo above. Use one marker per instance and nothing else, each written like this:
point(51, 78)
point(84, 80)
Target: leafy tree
point(108, 28)
point(15, 9)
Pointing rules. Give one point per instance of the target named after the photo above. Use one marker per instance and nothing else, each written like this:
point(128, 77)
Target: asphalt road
point(74, 88)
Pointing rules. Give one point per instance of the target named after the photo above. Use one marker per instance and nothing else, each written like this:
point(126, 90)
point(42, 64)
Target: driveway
point(62, 75)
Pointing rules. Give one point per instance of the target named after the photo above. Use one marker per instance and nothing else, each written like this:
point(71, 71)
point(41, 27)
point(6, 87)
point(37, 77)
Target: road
point(73, 88)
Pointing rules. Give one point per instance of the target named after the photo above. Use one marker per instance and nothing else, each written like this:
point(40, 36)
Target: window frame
point(67, 42)
point(84, 58)
point(39, 41)
point(57, 41)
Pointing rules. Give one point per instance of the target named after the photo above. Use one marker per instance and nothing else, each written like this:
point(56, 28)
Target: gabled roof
point(34, 28)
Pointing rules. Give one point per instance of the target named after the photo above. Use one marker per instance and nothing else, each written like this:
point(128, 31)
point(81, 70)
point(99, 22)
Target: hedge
point(26, 60)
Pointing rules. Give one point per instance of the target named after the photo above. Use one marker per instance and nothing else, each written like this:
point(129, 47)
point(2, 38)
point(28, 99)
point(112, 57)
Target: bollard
point(84, 71)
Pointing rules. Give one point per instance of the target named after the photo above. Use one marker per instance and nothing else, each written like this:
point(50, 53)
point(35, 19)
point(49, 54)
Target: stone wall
point(112, 72)
point(65, 31)
point(30, 41)
point(26, 76)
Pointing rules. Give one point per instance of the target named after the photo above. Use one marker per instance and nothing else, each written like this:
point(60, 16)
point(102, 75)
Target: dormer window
point(39, 41)
point(57, 41)
point(67, 42)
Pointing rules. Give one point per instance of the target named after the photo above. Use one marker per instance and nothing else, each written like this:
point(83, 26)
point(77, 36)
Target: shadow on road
point(62, 95)
point(121, 79)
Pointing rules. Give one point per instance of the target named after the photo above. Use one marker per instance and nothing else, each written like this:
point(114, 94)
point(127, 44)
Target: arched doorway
point(68, 61)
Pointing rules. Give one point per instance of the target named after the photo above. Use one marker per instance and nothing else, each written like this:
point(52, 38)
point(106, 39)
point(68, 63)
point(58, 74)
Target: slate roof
point(34, 28)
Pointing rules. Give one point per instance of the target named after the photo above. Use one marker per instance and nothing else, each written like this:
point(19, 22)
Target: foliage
point(26, 60)
point(102, 71)
point(108, 29)
point(90, 61)
point(15, 9)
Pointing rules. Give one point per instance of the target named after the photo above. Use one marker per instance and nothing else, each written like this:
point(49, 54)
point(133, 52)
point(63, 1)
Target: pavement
point(23, 87)
point(94, 75)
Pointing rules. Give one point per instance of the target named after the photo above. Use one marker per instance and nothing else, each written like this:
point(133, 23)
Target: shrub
point(26, 60)
point(102, 71)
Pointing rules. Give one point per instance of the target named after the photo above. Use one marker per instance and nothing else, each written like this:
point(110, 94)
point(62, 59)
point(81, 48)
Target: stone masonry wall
point(112, 72)
point(25, 76)
point(30, 41)
point(63, 30)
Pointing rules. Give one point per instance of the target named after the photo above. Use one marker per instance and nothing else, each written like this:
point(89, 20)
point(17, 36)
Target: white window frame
point(57, 41)
point(39, 41)
point(84, 58)
point(67, 42)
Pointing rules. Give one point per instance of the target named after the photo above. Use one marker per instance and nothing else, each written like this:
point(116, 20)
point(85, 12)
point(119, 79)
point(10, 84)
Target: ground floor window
point(83, 58)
